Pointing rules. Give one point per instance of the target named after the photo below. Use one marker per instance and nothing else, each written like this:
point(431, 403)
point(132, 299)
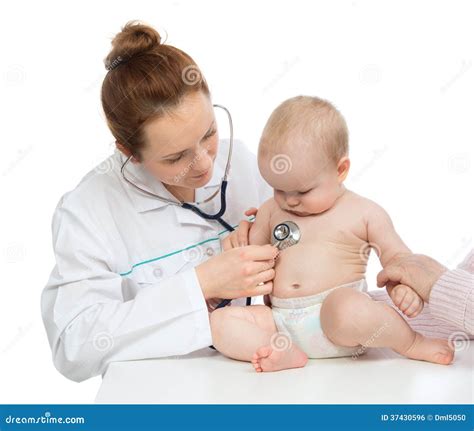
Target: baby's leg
point(247, 333)
point(351, 318)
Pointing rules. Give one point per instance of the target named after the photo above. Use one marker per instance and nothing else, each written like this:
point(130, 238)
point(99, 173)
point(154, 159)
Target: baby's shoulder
point(269, 206)
point(360, 204)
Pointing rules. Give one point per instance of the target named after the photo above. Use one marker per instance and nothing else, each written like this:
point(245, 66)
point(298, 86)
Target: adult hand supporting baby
point(416, 271)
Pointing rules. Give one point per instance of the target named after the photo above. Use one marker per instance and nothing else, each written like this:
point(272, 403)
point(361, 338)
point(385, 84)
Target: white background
point(400, 72)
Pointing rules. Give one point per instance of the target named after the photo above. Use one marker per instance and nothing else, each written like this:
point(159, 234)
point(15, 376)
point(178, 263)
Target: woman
point(134, 275)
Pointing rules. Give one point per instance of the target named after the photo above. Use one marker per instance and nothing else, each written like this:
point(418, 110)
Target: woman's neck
point(183, 194)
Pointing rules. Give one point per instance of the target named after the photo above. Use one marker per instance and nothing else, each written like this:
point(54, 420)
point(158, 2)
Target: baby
point(319, 307)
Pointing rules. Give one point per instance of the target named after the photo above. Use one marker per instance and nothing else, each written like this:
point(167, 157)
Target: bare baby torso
point(333, 248)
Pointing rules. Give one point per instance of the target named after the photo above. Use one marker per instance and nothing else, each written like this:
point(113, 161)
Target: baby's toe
point(444, 353)
point(263, 352)
point(445, 357)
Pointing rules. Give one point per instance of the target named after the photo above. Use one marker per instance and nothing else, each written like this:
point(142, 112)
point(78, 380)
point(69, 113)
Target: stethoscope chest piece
point(285, 235)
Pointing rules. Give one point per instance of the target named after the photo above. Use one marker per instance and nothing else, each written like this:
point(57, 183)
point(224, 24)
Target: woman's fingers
point(259, 252)
point(264, 276)
point(253, 268)
point(260, 289)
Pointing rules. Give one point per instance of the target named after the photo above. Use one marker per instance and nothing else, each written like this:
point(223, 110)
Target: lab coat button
point(209, 251)
point(157, 272)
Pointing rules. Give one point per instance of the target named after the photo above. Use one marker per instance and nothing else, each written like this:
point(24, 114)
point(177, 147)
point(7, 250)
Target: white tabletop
point(206, 377)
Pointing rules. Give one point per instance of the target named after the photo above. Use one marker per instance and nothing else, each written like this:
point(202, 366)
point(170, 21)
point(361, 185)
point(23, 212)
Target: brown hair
point(313, 120)
point(146, 79)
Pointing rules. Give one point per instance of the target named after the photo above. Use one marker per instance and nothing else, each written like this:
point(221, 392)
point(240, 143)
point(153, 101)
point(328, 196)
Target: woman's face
point(181, 146)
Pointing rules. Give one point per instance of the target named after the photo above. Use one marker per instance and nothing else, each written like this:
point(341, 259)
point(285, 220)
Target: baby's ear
point(343, 168)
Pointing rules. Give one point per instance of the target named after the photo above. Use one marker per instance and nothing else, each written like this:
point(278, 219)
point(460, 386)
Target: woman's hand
point(240, 236)
point(413, 270)
point(238, 272)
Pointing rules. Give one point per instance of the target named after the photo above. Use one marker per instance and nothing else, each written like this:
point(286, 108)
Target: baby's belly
point(304, 270)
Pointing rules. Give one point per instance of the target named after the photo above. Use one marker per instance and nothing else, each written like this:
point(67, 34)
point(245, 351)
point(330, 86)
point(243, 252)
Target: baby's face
point(302, 185)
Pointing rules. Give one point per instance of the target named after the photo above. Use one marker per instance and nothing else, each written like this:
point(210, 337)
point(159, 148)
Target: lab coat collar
point(143, 202)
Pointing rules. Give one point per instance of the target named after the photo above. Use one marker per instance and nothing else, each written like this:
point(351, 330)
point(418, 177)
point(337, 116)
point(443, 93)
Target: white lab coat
point(112, 296)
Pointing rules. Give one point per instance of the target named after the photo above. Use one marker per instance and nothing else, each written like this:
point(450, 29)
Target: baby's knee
point(217, 319)
point(342, 309)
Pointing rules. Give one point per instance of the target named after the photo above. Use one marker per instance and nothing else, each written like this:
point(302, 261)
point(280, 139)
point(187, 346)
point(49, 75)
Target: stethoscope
point(223, 187)
point(284, 235)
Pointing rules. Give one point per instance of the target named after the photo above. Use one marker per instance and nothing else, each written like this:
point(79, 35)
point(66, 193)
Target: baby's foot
point(268, 359)
point(431, 350)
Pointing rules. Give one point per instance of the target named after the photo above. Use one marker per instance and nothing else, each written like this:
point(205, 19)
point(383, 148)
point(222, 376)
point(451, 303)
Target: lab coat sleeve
point(88, 321)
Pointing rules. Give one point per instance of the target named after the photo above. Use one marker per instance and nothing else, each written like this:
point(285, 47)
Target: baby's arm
point(382, 236)
point(241, 236)
point(260, 231)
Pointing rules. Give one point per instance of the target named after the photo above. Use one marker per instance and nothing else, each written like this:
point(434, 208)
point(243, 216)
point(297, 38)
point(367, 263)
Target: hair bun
point(135, 38)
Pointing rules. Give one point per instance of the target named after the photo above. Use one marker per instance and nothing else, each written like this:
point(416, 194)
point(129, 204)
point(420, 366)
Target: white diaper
point(298, 318)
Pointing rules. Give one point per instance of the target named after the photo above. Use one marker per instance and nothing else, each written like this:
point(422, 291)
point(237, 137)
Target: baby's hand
point(406, 299)
point(240, 236)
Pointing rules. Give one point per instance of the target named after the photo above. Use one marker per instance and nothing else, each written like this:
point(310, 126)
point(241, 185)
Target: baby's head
point(303, 154)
